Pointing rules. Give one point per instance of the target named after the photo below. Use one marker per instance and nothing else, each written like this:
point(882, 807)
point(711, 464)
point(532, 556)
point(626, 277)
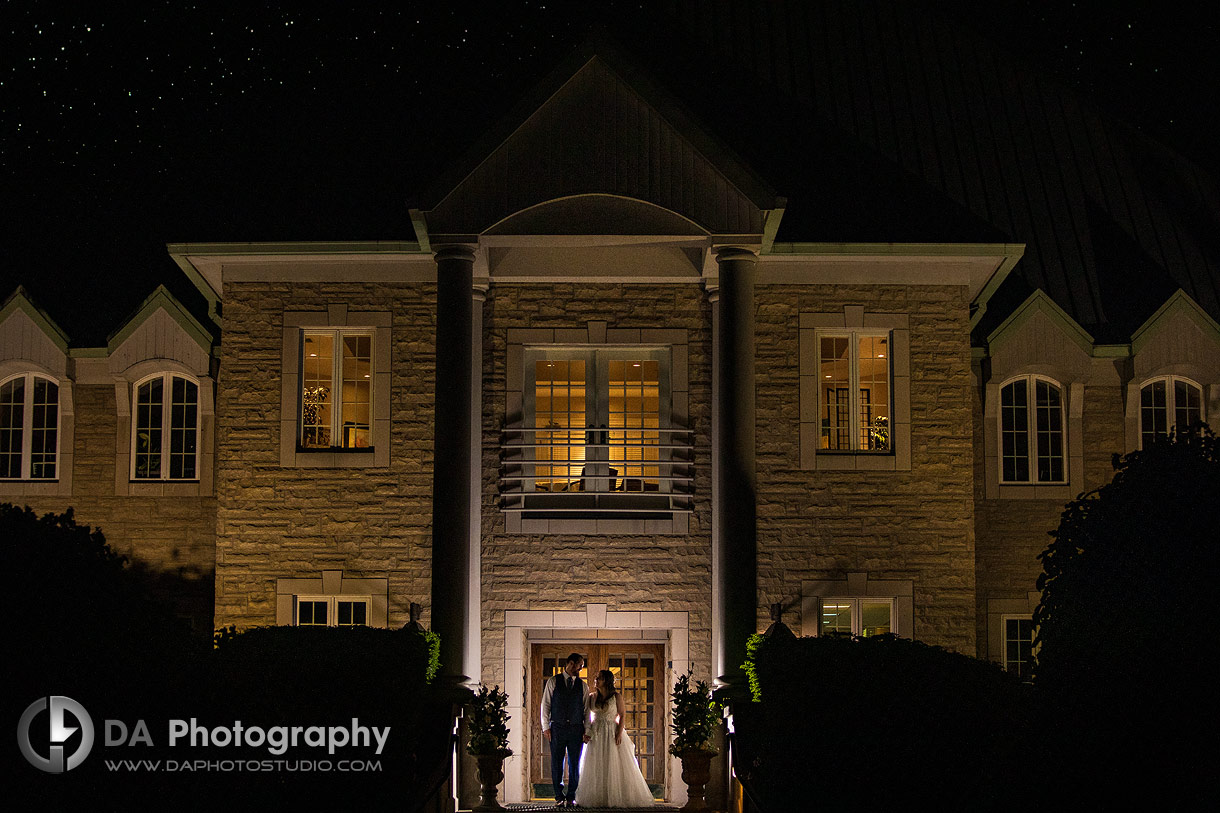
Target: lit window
point(1019, 644)
point(1031, 431)
point(29, 428)
point(856, 616)
point(336, 390)
point(165, 431)
point(1168, 402)
point(599, 416)
point(854, 391)
point(332, 611)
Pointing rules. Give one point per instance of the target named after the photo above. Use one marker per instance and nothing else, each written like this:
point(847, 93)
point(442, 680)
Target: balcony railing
point(576, 472)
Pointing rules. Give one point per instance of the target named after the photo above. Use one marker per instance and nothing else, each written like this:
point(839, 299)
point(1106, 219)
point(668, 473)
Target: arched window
point(1031, 431)
point(165, 429)
point(29, 427)
point(1167, 402)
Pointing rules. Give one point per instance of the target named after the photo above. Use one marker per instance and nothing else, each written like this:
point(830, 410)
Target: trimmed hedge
point(85, 626)
point(883, 721)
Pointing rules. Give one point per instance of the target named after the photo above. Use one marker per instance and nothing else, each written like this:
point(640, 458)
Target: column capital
point(729, 253)
point(454, 251)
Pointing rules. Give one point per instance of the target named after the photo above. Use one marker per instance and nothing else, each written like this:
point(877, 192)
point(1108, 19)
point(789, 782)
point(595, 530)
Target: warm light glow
point(881, 355)
point(313, 355)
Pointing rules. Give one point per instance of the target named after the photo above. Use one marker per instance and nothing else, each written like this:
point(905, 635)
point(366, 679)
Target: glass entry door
point(639, 675)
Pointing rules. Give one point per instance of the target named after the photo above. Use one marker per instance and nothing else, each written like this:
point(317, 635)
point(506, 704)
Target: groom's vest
point(568, 705)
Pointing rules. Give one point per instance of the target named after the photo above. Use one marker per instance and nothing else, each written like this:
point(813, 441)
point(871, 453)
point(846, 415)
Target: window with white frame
point(29, 427)
point(332, 611)
point(856, 616)
point(165, 428)
point(1167, 402)
point(600, 417)
point(1032, 431)
point(1019, 644)
point(336, 399)
point(854, 391)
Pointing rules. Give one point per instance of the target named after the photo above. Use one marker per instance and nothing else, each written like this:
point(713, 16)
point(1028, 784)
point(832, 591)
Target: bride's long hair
point(607, 679)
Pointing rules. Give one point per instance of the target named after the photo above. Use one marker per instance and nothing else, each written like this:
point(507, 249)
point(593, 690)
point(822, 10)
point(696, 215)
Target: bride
point(609, 775)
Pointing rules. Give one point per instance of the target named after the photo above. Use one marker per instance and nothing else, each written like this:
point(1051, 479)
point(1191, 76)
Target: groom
point(563, 724)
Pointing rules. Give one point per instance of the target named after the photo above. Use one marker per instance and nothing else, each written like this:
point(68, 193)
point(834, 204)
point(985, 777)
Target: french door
point(639, 675)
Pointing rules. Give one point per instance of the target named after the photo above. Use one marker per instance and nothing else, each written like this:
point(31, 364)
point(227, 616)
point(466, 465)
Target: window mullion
point(1031, 427)
point(167, 421)
point(853, 394)
point(336, 378)
point(27, 430)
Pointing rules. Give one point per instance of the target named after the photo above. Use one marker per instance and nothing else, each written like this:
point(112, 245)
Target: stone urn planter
point(696, 717)
point(491, 774)
point(489, 743)
point(696, 773)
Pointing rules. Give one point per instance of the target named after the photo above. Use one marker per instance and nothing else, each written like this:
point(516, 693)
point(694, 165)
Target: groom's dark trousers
point(567, 734)
point(566, 740)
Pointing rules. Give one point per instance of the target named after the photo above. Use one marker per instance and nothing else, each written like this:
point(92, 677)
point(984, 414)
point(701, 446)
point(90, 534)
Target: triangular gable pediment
point(1039, 312)
point(27, 334)
point(161, 328)
point(1178, 306)
point(598, 134)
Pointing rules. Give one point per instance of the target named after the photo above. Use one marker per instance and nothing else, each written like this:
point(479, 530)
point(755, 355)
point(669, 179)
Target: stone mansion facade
point(606, 399)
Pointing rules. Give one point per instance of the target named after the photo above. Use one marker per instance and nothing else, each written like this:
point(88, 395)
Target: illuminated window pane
point(875, 617)
point(836, 617)
point(834, 377)
point(559, 409)
point(337, 379)
point(317, 390)
point(634, 388)
point(854, 393)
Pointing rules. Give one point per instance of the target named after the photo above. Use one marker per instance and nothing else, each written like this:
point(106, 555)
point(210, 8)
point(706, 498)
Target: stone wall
point(1010, 533)
point(566, 572)
point(276, 522)
point(170, 539)
point(915, 525)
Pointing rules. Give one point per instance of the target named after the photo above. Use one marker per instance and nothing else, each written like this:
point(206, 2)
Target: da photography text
point(276, 739)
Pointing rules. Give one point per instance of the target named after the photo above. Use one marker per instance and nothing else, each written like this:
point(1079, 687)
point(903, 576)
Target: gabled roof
point(19, 300)
point(606, 130)
point(1039, 302)
point(1181, 303)
point(162, 299)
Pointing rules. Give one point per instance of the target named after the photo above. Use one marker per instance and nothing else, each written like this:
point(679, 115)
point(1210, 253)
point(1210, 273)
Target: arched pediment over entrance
point(597, 214)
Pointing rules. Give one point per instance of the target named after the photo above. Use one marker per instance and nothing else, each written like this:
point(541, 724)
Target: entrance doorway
point(639, 673)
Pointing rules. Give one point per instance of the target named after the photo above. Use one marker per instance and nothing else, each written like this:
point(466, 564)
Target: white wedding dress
point(609, 775)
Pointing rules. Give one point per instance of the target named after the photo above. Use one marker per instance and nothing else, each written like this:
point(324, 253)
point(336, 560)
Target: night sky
point(133, 125)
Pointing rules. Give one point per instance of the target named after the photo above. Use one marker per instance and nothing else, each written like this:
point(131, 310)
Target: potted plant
point(695, 721)
point(489, 742)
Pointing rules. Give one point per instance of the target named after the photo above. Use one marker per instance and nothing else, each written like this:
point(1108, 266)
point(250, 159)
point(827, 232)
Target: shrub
point(883, 721)
point(489, 723)
point(695, 716)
